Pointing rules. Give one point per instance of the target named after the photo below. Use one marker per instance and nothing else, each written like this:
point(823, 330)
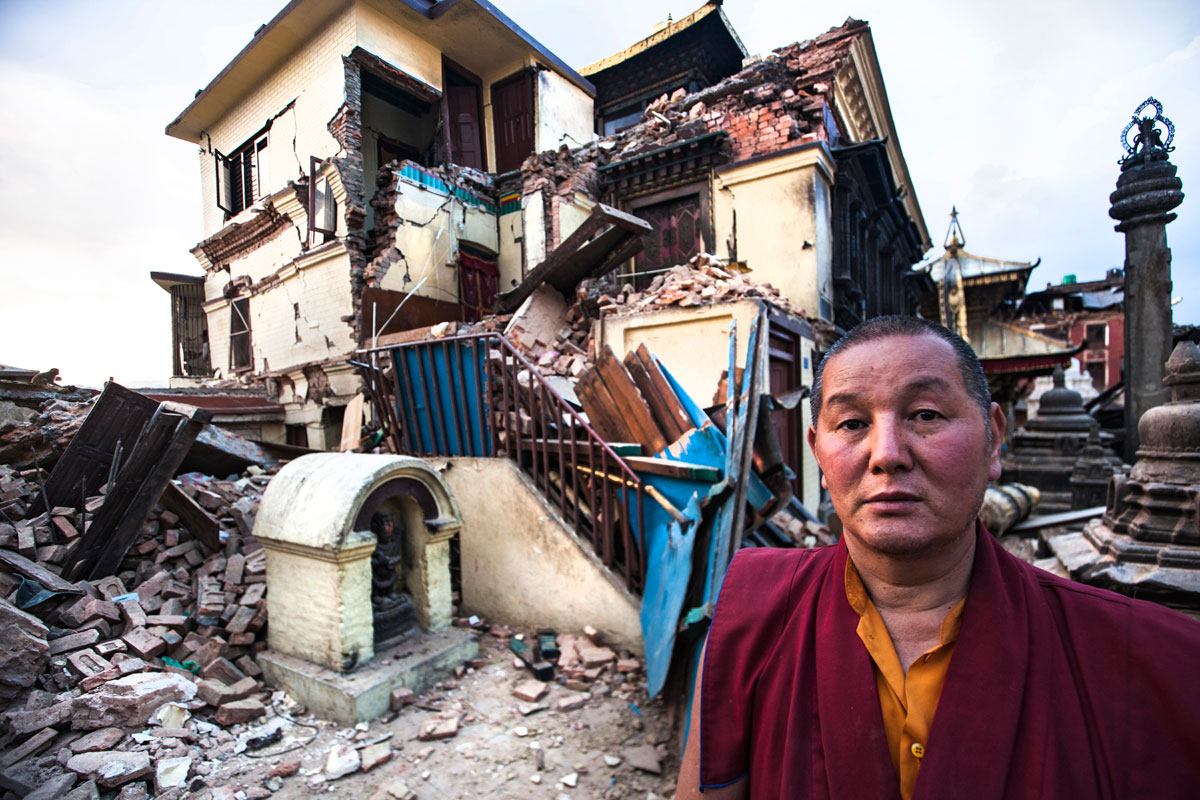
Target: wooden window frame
point(327, 226)
point(526, 73)
point(700, 187)
point(252, 163)
point(240, 339)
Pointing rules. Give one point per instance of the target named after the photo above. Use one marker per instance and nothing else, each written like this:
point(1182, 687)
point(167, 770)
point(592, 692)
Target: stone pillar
point(1146, 192)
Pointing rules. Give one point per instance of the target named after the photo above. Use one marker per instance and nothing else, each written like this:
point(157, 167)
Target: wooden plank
point(600, 409)
point(675, 406)
point(352, 424)
point(667, 423)
point(203, 525)
point(629, 402)
point(119, 415)
point(622, 449)
point(151, 463)
point(35, 571)
point(674, 469)
point(580, 261)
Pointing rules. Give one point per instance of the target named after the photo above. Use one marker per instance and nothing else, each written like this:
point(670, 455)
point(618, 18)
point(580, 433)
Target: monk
point(916, 658)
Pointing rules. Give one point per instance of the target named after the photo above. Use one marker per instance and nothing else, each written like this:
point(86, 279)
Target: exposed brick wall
point(346, 128)
point(779, 102)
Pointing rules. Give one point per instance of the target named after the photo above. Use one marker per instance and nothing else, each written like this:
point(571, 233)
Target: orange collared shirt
point(908, 701)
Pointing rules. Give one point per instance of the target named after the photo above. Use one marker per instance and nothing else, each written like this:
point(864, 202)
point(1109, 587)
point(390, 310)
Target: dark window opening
point(242, 177)
point(1098, 370)
point(1095, 335)
point(331, 423)
point(403, 126)
point(239, 334)
point(463, 116)
point(512, 120)
point(623, 118)
point(297, 435)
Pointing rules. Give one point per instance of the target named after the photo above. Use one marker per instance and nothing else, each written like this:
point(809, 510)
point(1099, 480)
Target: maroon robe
point(1055, 690)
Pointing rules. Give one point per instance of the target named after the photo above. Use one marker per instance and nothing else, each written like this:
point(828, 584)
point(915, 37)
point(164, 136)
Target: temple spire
point(955, 238)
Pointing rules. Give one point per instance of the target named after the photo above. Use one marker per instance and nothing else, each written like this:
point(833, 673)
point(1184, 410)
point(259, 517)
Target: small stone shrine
point(358, 570)
point(1148, 541)
point(1046, 450)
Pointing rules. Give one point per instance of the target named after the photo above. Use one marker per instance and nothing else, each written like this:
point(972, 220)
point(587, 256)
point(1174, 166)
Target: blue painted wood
point(668, 549)
point(442, 398)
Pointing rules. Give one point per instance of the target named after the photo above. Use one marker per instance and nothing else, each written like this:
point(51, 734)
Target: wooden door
point(462, 102)
point(676, 235)
point(512, 116)
point(784, 360)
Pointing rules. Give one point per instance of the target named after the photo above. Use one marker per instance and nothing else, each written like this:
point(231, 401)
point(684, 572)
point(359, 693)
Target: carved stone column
point(1146, 192)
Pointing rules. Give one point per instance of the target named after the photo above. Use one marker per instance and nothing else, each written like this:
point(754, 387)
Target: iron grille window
point(239, 334)
point(242, 176)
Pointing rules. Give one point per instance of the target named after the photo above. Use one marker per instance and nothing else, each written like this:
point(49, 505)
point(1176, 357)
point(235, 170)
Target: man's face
point(902, 446)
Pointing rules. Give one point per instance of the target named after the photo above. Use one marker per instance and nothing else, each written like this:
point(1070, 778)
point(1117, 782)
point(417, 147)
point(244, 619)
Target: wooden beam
point(629, 402)
point(35, 571)
point(204, 526)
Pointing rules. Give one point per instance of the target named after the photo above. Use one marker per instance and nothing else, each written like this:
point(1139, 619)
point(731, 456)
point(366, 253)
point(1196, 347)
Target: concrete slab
point(364, 694)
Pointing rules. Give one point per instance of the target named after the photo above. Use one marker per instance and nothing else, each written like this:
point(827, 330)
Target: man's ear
point(812, 448)
point(998, 425)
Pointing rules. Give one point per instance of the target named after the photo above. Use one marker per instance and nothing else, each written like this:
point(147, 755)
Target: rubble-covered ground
point(605, 743)
point(144, 684)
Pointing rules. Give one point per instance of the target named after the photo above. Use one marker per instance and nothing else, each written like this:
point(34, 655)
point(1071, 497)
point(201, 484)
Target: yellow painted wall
point(280, 339)
point(693, 343)
point(314, 78)
point(782, 219)
point(520, 564)
point(510, 259)
point(386, 36)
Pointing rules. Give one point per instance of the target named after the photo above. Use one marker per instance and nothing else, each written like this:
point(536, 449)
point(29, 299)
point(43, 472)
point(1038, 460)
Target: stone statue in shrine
point(392, 608)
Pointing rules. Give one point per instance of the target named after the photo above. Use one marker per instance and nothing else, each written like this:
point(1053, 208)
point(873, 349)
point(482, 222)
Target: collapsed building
point(368, 168)
point(395, 213)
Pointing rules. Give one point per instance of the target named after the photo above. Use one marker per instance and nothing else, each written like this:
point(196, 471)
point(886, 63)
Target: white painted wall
point(430, 243)
point(314, 78)
point(564, 113)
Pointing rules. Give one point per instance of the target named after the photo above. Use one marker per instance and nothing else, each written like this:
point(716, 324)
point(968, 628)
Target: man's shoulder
point(767, 578)
point(778, 563)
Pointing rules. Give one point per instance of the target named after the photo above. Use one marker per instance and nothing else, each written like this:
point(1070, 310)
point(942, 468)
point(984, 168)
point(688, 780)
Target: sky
point(1011, 111)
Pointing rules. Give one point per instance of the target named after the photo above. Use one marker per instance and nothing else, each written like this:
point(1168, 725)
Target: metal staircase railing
point(476, 395)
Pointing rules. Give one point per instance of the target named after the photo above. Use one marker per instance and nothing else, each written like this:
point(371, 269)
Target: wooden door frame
point(449, 65)
point(527, 73)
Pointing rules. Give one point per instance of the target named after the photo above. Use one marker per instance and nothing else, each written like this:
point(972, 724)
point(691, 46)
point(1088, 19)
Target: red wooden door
point(512, 115)
point(463, 106)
